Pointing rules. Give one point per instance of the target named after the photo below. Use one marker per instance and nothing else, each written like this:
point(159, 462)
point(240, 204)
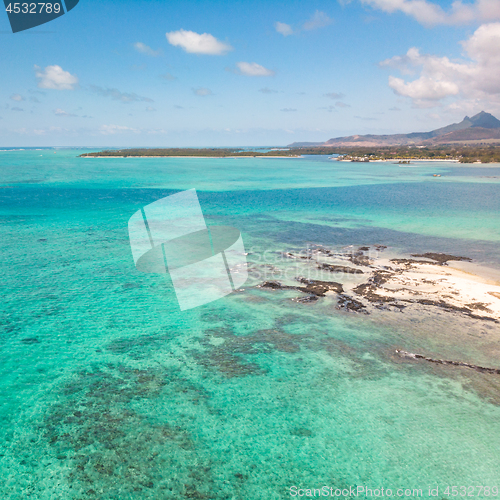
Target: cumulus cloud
point(17, 97)
point(54, 77)
point(283, 28)
point(16, 108)
point(342, 105)
point(202, 91)
point(144, 49)
point(440, 77)
point(150, 108)
point(253, 69)
point(318, 20)
point(116, 95)
point(430, 13)
point(196, 43)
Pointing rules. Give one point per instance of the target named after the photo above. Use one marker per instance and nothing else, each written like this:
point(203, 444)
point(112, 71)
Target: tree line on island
point(487, 153)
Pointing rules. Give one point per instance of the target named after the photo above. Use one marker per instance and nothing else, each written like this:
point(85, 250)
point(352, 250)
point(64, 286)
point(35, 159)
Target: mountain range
point(483, 127)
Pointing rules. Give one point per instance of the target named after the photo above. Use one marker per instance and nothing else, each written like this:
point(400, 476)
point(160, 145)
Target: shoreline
point(215, 157)
point(395, 160)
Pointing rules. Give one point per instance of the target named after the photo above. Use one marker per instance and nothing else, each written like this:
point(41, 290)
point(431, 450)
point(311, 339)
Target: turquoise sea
point(109, 391)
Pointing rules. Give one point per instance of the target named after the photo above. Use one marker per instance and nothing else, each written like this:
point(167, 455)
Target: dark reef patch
point(30, 340)
point(227, 354)
point(138, 347)
point(109, 447)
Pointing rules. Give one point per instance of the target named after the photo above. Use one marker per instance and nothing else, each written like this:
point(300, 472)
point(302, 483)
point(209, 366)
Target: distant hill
point(483, 127)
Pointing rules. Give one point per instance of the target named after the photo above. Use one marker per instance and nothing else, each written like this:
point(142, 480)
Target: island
point(474, 153)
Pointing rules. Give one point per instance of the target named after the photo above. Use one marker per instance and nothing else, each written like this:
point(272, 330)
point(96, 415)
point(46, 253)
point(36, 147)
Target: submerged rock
point(319, 288)
point(315, 288)
point(275, 285)
point(350, 304)
point(339, 269)
point(306, 300)
point(406, 354)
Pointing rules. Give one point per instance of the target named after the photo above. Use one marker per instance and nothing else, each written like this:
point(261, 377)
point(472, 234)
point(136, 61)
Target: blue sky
point(246, 73)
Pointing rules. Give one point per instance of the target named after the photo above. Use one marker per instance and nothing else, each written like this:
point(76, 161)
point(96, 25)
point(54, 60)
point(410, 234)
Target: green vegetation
point(464, 154)
point(213, 152)
point(205, 152)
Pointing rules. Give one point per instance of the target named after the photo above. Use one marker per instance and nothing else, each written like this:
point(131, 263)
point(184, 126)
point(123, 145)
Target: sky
point(213, 73)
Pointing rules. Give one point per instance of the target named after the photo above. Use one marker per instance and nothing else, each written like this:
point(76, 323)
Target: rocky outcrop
point(482, 369)
point(339, 269)
point(393, 284)
point(441, 258)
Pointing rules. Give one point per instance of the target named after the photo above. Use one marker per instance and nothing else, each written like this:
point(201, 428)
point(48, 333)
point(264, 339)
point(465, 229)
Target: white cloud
point(429, 13)
point(116, 129)
point(283, 28)
point(144, 49)
point(202, 91)
point(196, 43)
point(318, 20)
point(17, 97)
point(61, 112)
point(424, 88)
point(116, 95)
point(150, 108)
point(340, 104)
point(477, 78)
point(288, 110)
point(253, 69)
point(54, 77)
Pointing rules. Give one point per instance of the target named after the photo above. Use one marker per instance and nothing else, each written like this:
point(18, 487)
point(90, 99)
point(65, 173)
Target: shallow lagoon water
point(107, 390)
